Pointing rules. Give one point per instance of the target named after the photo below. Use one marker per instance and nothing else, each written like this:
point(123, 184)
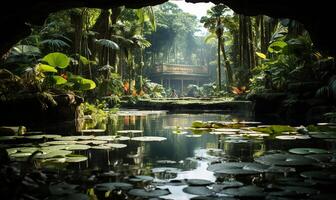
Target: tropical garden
point(86, 117)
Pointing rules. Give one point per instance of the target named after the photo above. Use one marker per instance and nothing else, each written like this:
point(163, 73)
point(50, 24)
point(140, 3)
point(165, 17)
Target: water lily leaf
point(245, 191)
point(74, 158)
point(116, 145)
point(198, 182)
point(232, 168)
point(306, 151)
point(150, 193)
point(285, 160)
point(193, 136)
point(91, 142)
point(149, 139)
point(320, 175)
point(113, 185)
point(57, 59)
point(198, 190)
point(93, 131)
point(129, 131)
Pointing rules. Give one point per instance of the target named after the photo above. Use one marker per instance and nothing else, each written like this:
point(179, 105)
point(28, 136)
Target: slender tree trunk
point(226, 64)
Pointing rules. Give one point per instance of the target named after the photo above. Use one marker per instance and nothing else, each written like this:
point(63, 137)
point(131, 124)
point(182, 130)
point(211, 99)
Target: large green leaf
point(25, 49)
point(81, 83)
point(108, 44)
point(57, 60)
point(59, 80)
point(45, 68)
point(276, 47)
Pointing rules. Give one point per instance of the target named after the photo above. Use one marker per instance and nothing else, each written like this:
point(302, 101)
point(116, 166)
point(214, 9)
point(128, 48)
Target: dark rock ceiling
point(317, 16)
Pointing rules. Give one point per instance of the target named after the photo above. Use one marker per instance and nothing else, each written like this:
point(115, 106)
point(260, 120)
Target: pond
point(168, 155)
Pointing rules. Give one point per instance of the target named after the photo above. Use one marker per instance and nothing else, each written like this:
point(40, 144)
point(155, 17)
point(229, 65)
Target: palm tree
point(214, 23)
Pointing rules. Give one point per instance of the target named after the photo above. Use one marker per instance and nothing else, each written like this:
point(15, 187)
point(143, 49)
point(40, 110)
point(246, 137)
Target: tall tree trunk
point(226, 64)
point(77, 21)
point(263, 44)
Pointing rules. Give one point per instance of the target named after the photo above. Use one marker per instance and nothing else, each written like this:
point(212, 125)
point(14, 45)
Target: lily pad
point(149, 139)
point(91, 142)
point(193, 136)
point(227, 130)
point(320, 175)
point(245, 191)
point(93, 131)
point(285, 160)
point(43, 136)
point(53, 154)
point(130, 131)
point(198, 182)
point(321, 157)
point(232, 168)
point(292, 137)
point(225, 185)
point(149, 193)
point(116, 145)
point(306, 151)
point(323, 135)
point(198, 190)
point(113, 185)
point(222, 133)
point(72, 158)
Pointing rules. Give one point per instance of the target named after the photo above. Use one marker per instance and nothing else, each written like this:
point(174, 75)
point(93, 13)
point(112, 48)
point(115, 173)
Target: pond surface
point(180, 154)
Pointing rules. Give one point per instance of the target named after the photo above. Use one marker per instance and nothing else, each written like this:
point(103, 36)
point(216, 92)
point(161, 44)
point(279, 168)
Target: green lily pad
point(222, 133)
point(225, 185)
point(53, 154)
point(178, 132)
point(149, 193)
point(59, 143)
point(130, 131)
point(116, 146)
point(22, 150)
point(245, 192)
point(320, 175)
point(305, 151)
point(198, 190)
point(227, 130)
point(113, 185)
point(93, 131)
point(73, 158)
point(91, 142)
point(292, 137)
point(323, 135)
point(285, 160)
point(149, 139)
point(42, 136)
point(321, 157)
point(193, 136)
point(232, 168)
point(198, 182)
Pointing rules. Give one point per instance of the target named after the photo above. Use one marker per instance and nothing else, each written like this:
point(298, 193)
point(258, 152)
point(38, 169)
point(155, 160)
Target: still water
point(266, 164)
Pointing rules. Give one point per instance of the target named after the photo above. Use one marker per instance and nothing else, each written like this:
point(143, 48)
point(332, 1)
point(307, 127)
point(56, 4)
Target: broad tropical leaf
point(56, 59)
point(45, 68)
point(107, 43)
point(59, 80)
point(261, 55)
point(25, 49)
point(276, 47)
